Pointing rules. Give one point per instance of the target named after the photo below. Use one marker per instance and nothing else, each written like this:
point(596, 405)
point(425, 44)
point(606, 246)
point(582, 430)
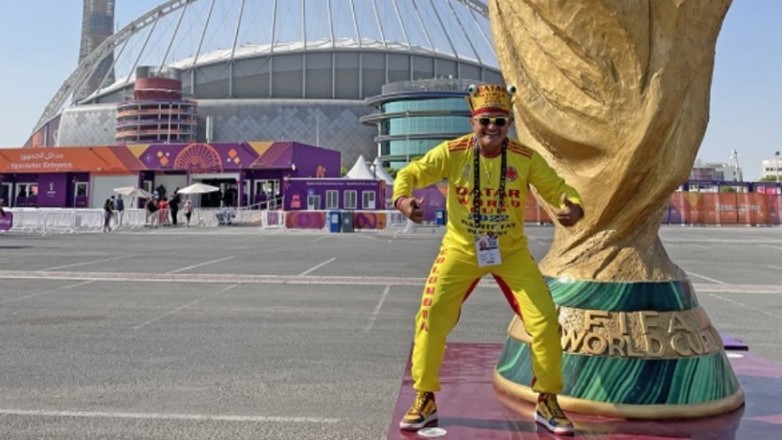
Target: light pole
point(776, 166)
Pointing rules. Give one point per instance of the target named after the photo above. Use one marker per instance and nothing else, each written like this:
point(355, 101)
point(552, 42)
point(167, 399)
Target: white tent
point(381, 173)
point(360, 170)
point(132, 191)
point(198, 188)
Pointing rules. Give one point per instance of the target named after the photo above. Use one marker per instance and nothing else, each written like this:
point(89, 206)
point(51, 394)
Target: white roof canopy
point(360, 170)
point(381, 173)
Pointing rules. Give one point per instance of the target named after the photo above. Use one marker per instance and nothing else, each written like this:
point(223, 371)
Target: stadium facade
point(309, 71)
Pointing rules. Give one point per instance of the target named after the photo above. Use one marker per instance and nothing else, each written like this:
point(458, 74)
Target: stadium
point(318, 72)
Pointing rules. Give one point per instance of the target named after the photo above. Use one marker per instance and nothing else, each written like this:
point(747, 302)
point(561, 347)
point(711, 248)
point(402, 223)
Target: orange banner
point(97, 160)
point(774, 208)
point(692, 208)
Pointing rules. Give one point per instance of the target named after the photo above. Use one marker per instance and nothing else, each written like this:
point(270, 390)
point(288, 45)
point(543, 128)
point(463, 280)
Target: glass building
point(414, 116)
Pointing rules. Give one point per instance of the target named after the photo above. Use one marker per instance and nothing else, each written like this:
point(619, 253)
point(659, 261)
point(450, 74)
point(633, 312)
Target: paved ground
point(236, 333)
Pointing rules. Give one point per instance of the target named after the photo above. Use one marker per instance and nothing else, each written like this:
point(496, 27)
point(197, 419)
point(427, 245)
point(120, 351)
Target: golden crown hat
point(490, 98)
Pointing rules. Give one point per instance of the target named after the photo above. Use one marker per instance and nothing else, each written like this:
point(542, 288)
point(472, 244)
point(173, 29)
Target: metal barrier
point(66, 220)
point(81, 220)
point(272, 219)
point(27, 219)
point(693, 209)
point(132, 219)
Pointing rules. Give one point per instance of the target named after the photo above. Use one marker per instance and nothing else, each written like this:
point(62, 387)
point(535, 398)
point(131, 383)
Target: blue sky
point(39, 47)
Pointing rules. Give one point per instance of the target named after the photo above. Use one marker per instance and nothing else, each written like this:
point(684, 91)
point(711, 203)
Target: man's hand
point(571, 214)
point(411, 208)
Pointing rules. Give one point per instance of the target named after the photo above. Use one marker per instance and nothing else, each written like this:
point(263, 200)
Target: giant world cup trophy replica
point(615, 95)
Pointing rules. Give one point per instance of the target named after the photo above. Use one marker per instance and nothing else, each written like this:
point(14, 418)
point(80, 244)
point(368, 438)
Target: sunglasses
point(499, 121)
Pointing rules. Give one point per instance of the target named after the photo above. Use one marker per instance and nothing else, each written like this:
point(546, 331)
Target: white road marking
point(322, 238)
point(774, 267)
point(376, 312)
point(48, 291)
point(394, 237)
point(756, 309)
point(779, 248)
point(219, 278)
point(200, 264)
point(184, 307)
point(317, 267)
point(707, 278)
point(84, 263)
point(738, 288)
point(164, 416)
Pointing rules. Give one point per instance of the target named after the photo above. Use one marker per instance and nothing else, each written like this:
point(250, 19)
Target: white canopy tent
point(375, 171)
point(360, 170)
point(198, 188)
point(381, 172)
point(133, 191)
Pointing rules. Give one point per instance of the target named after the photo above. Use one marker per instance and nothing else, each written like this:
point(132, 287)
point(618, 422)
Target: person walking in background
point(108, 213)
point(152, 215)
point(173, 206)
point(2, 213)
point(163, 206)
point(161, 191)
point(188, 210)
point(119, 205)
point(114, 214)
point(488, 176)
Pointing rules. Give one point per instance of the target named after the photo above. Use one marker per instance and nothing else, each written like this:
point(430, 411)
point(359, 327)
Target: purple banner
point(369, 220)
point(52, 189)
point(305, 220)
point(298, 192)
point(6, 221)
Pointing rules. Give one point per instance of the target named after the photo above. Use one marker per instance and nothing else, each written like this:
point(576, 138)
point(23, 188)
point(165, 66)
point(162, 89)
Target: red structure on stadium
point(157, 113)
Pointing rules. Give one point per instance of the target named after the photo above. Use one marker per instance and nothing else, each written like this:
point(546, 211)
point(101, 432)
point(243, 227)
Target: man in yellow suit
point(488, 178)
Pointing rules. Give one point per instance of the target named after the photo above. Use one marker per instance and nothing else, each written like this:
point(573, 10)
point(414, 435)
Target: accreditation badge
point(487, 248)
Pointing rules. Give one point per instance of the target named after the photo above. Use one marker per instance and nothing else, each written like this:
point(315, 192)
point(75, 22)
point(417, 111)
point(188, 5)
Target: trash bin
point(440, 217)
point(347, 221)
point(335, 221)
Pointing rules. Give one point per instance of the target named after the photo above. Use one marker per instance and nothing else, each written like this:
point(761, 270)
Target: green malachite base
point(633, 387)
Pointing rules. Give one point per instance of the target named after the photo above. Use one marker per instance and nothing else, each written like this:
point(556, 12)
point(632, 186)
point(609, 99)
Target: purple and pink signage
point(333, 193)
point(6, 221)
point(370, 220)
point(305, 220)
point(53, 172)
point(299, 159)
point(52, 190)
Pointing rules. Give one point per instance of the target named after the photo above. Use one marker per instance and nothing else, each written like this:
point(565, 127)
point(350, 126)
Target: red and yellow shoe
point(550, 415)
point(421, 413)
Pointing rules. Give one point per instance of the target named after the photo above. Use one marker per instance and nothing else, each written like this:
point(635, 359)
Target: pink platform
point(470, 408)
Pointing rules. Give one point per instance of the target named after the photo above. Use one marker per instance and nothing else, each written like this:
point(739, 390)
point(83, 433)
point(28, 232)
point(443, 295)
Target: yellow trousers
point(453, 276)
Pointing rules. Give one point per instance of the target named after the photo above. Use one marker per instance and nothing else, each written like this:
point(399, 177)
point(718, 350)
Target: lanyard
point(476, 199)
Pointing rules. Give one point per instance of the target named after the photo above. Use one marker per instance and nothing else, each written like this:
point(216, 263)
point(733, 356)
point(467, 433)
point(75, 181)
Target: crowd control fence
point(684, 208)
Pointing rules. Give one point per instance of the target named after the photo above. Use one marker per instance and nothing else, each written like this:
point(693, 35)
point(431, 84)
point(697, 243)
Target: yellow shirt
point(454, 161)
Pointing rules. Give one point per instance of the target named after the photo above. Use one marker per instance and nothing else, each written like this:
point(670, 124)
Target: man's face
point(491, 129)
